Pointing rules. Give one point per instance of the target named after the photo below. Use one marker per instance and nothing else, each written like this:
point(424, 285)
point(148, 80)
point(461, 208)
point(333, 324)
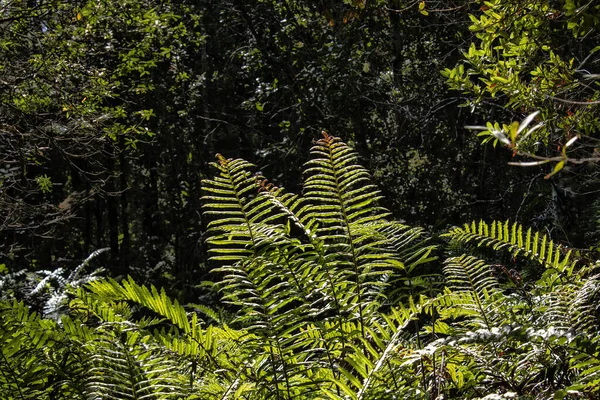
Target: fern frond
point(338, 190)
point(383, 372)
point(585, 365)
point(409, 244)
point(340, 196)
point(126, 364)
point(110, 290)
point(229, 199)
point(585, 303)
point(187, 337)
point(411, 251)
point(307, 274)
point(25, 339)
point(471, 276)
point(499, 235)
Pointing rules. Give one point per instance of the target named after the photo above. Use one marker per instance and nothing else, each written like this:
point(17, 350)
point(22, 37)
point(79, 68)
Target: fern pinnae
point(500, 235)
point(382, 358)
point(471, 275)
point(316, 250)
point(227, 198)
point(338, 195)
point(186, 337)
point(127, 365)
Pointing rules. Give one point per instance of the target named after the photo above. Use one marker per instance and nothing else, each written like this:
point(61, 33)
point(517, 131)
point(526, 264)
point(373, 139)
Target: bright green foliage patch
point(535, 56)
point(325, 298)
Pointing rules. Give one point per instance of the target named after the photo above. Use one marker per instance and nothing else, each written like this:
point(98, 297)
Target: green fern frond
point(411, 252)
point(499, 235)
point(229, 201)
point(383, 372)
point(36, 360)
point(585, 366)
point(308, 274)
point(22, 372)
point(266, 297)
point(472, 277)
point(188, 338)
point(338, 190)
point(341, 198)
point(373, 369)
point(409, 244)
point(469, 274)
point(126, 364)
point(110, 290)
point(585, 303)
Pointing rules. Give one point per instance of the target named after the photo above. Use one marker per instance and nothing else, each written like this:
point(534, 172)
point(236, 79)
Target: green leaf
point(559, 165)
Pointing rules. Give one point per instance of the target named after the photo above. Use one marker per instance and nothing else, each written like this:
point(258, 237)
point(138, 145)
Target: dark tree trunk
point(112, 206)
point(125, 244)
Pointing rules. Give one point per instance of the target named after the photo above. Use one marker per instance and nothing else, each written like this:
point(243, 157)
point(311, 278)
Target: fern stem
point(346, 222)
point(275, 380)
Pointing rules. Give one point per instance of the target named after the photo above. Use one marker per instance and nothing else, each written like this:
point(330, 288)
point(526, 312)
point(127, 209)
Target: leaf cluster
point(327, 299)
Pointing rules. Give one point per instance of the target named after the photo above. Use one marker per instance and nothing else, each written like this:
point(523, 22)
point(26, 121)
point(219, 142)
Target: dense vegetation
point(110, 113)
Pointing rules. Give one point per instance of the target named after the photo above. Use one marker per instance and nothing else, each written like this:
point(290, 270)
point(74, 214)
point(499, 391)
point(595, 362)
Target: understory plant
point(324, 296)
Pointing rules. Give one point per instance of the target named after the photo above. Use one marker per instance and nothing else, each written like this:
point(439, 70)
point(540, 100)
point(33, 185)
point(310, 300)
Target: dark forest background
point(111, 111)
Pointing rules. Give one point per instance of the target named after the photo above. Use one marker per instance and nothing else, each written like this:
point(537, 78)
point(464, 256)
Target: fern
point(126, 364)
point(36, 360)
point(22, 339)
point(531, 244)
point(534, 341)
point(328, 302)
point(344, 202)
point(55, 306)
point(472, 279)
point(308, 273)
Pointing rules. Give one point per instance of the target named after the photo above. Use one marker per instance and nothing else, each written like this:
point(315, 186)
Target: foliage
point(519, 336)
point(109, 111)
point(311, 284)
point(535, 56)
point(310, 274)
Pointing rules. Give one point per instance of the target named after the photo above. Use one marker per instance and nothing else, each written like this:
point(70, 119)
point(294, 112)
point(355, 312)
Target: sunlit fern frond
point(308, 274)
point(387, 348)
point(24, 337)
point(584, 364)
point(341, 198)
point(126, 364)
point(110, 291)
point(275, 280)
point(469, 274)
point(38, 359)
point(503, 235)
point(373, 368)
point(338, 189)
point(185, 336)
point(572, 306)
point(273, 309)
point(264, 316)
point(305, 258)
point(585, 304)
point(230, 201)
point(472, 280)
